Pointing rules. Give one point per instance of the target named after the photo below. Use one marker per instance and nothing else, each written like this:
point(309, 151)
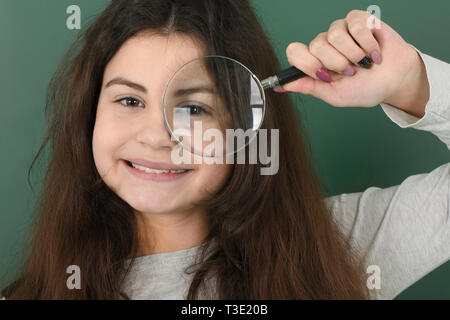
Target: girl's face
point(129, 125)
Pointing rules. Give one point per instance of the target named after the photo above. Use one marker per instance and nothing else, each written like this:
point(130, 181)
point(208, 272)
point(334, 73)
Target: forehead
point(152, 56)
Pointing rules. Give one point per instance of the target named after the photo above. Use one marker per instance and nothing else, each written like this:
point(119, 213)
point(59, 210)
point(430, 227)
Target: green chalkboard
point(352, 148)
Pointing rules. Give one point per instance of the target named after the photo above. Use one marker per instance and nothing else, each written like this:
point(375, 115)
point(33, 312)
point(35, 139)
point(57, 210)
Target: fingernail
point(279, 89)
point(375, 57)
point(349, 71)
point(323, 75)
point(365, 63)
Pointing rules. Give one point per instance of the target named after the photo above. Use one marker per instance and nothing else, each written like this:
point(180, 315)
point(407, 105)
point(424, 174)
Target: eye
point(195, 109)
point(130, 102)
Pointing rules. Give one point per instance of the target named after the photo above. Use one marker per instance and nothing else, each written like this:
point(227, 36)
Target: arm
point(437, 111)
point(405, 229)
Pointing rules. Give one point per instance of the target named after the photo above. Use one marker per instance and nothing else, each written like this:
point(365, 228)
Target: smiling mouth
point(151, 170)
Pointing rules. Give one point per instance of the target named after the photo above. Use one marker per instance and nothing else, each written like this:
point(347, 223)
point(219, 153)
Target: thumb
point(305, 85)
point(313, 87)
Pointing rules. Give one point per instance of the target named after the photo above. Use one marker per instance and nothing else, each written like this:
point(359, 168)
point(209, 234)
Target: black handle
point(290, 74)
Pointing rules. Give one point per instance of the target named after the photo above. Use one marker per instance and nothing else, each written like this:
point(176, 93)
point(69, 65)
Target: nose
point(152, 130)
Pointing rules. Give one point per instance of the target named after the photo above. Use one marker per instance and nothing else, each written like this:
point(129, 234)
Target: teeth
point(148, 170)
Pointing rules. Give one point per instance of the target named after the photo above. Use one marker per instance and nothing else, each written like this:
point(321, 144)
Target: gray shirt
point(402, 232)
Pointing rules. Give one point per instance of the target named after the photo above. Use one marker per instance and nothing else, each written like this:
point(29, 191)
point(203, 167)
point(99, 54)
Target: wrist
point(413, 96)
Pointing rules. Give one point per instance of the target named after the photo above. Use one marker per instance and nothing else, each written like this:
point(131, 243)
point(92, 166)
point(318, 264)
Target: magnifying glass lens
point(213, 106)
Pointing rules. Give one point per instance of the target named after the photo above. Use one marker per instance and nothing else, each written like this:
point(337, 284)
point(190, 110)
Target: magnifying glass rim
point(258, 82)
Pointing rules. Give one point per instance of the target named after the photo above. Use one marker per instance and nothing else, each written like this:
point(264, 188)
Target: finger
point(298, 55)
point(362, 34)
point(331, 58)
point(340, 39)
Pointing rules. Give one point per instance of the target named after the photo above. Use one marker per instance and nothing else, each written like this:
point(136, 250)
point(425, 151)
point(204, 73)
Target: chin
point(152, 204)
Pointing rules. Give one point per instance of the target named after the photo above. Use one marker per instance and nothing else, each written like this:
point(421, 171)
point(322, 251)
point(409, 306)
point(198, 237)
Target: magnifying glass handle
point(282, 77)
point(289, 74)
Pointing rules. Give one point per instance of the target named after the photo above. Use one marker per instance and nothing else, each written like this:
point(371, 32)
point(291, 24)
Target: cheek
point(213, 177)
point(99, 149)
point(106, 140)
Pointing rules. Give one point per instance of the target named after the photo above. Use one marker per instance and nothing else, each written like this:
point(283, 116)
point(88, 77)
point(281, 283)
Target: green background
point(352, 148)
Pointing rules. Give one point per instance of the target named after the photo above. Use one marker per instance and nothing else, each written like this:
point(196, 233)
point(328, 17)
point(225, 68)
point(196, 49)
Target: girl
point(226, 231)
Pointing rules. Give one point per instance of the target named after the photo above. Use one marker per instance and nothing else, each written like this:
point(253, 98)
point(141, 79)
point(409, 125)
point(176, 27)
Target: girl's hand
point(397, 76)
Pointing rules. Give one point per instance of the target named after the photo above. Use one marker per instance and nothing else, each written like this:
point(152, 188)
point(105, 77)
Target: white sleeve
point(404, 230)
point(437, 110)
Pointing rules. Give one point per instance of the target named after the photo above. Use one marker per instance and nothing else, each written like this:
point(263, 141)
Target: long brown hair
point(275, 237)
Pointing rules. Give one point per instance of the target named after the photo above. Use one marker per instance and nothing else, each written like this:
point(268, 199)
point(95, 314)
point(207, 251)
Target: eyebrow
point(125, 82)
point(188, 91)
point(139, 87)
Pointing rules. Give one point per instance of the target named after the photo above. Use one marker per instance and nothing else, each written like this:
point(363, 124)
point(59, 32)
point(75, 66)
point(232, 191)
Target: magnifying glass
point(213, 106)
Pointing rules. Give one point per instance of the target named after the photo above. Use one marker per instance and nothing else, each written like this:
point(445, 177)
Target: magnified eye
point(130, 102)
point(195, 109)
